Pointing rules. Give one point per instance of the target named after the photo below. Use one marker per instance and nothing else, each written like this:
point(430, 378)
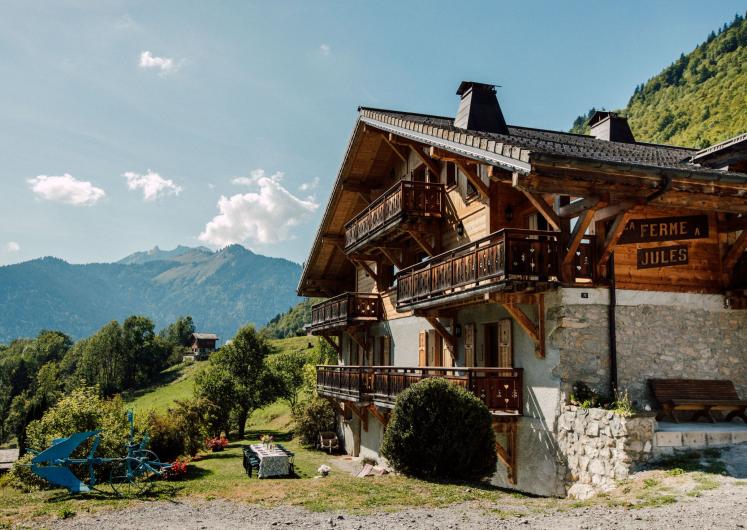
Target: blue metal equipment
point(130, 475)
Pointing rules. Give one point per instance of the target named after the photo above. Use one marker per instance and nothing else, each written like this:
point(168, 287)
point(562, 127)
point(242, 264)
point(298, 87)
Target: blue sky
point(125, 125)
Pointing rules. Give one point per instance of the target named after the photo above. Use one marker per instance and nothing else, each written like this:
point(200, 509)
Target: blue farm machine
point(131, 474)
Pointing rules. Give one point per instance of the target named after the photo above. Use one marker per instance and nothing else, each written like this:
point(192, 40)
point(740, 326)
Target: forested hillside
point(290, 323)
point(698, 100)
point(222, 290)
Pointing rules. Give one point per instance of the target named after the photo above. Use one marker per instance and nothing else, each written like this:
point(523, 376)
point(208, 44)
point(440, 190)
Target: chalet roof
point(523, 143)
point(516, 151)
point(205, 336)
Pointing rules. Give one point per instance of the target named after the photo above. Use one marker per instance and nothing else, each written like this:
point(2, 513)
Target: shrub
point(82, 410)
point(311, 417)
point(440, 430)
point(166, 436)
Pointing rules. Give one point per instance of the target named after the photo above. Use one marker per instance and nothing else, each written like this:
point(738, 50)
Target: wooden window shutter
point(422, 346)
point(469, 344)
point(505, 344)
point(386, 353)
point(431, 348)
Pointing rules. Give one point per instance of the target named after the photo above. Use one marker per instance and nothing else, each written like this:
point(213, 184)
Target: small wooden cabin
point(202, 344)
point(518, 261)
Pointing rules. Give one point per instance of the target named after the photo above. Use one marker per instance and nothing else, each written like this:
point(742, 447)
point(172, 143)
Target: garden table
point(272, 462)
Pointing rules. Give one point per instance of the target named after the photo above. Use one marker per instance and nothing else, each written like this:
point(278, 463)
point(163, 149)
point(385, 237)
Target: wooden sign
point(665, 229)
point(650, 258)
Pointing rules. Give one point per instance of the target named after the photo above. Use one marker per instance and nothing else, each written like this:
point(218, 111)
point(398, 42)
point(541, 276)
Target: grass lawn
point(177, 384)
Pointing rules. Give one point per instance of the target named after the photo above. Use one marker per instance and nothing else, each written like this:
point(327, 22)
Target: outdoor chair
point(251, 460)
point(328, 440)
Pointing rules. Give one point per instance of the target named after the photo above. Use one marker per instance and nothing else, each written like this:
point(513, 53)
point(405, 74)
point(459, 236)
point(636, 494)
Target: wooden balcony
point(405, 202)
point(508, 255)
point(501, 389)
point(345, 310)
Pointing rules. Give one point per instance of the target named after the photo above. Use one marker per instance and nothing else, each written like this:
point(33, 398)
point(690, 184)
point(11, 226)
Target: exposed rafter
point(576, 236)
point(577, 208)
point(389, 253)
point(613, 235)
point(393, 147)
point(545, 209)
point(419, 238)
point(417, 148)
point(473, 177)
point(734, 253)
point(536, 331)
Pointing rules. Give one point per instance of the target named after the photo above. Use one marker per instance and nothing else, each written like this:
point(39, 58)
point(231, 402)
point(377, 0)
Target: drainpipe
point(612, 325)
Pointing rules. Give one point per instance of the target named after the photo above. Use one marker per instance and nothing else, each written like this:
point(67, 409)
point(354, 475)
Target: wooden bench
point(702, 396)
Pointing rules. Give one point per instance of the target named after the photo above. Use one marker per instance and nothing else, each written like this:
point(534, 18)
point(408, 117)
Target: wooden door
point(490, 345)
point(505, 344)
point(469, 345)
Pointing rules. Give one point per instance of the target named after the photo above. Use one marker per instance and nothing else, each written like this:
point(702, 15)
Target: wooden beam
point(445, 335)
point(333, 239)
point(531, 329)
point(393, 259)
point(577, 208)
point(735, 252)
point(545, 209)
point(576, 236)
point(367, 268)
point(616, 230)
point(354, 335)
point(394, 148)
point(335, 346)
point(420, 240)
point(733, 225)
point(362, 415)
point(613, 210)
point(473, 177)
point(365, 197)
point(417, 148)
point(508, 454)
point(383, 417)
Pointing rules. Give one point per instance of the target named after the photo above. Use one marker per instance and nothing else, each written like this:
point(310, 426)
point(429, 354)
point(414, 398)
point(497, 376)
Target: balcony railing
point(344, 310)
point(501, 389)
point(404, 200)
point(505, 255)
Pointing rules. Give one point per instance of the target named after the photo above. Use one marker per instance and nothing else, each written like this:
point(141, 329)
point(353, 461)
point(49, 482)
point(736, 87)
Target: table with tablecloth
point(272, 462)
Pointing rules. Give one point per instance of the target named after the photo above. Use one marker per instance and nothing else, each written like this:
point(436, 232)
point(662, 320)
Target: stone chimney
point(479, 109)
point(611, 127)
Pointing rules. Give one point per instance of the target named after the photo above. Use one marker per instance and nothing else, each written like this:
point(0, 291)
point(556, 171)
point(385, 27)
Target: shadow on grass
point(158, 491)
point(278, 436)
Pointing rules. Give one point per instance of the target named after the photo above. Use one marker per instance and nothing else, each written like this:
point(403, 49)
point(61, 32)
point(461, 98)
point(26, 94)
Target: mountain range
point(221, 290)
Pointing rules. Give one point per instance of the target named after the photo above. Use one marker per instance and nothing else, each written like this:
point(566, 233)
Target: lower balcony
point(528, 257)
point(347, 309)
point(501, 389)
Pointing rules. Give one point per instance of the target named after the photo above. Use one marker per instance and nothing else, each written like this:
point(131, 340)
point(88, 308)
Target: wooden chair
point(328, 440)
point(702, 396)
point(251, 460)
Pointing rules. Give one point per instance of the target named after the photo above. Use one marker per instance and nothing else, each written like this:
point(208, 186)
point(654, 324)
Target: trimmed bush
point(311, 417)
point(439, 430)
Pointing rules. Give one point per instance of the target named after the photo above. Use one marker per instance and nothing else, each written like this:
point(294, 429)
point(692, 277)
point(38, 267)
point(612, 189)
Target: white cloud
point(66, 189)
point(154, 186)
point(325, 49)
point(265, 216)
point(165, 64)
point(12, 246)
point(308, 186)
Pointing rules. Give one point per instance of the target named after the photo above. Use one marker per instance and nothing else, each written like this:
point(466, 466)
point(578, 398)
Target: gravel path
point(725, 507)
point(722, 507)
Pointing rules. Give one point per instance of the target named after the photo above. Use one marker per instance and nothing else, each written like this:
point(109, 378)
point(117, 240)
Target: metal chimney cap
point(464, 86)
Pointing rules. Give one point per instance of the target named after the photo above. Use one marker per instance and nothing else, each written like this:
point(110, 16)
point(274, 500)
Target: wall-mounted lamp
point(509, 213)
point(457, 330)
point(460, 229)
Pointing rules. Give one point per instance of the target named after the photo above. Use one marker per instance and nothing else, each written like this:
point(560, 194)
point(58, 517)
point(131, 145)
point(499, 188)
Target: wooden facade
point(427, 219)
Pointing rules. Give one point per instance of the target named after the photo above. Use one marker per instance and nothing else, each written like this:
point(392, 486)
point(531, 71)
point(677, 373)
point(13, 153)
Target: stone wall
point(601, 447)
point(659, 335)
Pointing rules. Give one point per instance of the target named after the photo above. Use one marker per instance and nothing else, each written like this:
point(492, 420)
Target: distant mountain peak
point(180, 253)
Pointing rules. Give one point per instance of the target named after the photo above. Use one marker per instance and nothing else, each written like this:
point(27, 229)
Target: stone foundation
point(602, 447)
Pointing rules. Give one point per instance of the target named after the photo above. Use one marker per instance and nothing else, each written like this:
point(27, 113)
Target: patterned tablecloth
point(272, 462)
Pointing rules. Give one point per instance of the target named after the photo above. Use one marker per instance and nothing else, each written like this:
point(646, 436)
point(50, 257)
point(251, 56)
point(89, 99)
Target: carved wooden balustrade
point(405, 200)
point(344, 310)
point(501, 389)
point(508, 254)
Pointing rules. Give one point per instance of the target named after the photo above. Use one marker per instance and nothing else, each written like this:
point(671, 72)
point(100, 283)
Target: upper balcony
point(501, 389)
point(345, 310)
point(405, 202)
point(508, 255)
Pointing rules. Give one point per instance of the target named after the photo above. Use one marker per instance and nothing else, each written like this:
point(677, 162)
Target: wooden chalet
point(516, 261)
point(202, 345)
